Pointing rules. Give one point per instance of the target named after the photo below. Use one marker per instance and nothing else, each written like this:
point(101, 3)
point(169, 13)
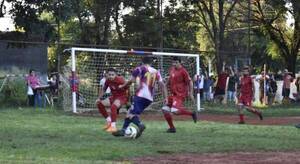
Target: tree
point(214, 15)
point(271, 14)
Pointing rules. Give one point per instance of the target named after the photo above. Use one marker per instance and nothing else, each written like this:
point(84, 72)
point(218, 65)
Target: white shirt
point(102, 82)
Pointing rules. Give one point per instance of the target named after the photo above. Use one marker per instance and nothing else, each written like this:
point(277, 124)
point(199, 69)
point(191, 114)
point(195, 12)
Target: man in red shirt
point(246, 96)
point(119, 97)
point(181, 86)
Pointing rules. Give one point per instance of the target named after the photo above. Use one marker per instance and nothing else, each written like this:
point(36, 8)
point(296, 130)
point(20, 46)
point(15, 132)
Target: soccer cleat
point(171, 130)
point(141, 127)
point(118, 133)
point(112, 129)
point(241, 122)
point(260, 116)
point(194, 116)
point(105, 127)
point(297, 126)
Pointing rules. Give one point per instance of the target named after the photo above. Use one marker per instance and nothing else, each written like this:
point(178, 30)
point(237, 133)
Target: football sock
point(101, 109)
point(108, 119)
point(241, 117)
point(136, 120)
point(126, 123)
point(113, 124)
point(114, 109)
point(169, 119)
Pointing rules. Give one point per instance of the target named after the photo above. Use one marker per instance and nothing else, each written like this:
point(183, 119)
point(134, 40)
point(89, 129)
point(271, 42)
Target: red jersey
point(114, 86)
point(179, 81)
point(222, 78)
point(246, 86)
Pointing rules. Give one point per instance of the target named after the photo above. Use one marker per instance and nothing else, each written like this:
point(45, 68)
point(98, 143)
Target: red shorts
point(175, 101)
point(123, 99)
point(245, 100)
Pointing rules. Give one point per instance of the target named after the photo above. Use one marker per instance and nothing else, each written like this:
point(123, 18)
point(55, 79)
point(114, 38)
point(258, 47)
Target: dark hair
point(147, 60)
point(175, 58)
point(112, 70)
point(30, 71)
point(246, 68)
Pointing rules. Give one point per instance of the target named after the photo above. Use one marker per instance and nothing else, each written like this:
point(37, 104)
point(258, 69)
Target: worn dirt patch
point(223, 158)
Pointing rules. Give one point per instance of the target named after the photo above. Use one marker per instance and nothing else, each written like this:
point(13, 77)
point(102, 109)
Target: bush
point(14, 92)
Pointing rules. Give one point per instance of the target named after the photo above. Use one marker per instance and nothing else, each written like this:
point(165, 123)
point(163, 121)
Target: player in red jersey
point(246, 96)
point(118, 98)
point(181, 86)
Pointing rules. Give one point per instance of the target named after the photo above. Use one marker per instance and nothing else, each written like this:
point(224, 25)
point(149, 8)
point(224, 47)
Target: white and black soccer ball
point(131, 132)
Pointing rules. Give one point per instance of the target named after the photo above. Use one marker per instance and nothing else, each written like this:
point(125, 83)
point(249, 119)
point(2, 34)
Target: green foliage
point(14, 93)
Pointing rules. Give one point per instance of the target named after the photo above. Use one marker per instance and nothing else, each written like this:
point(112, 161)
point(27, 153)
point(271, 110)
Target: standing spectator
point(297, 83)
point(232, 85)
point(262, 80)
point(32, 83)
point(199, 84)
point(287, 79)
point(221, 84)
point(208, 83)
point(272, 90)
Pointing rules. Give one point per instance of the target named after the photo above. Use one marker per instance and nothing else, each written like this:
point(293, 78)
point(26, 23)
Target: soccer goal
point(81, 78)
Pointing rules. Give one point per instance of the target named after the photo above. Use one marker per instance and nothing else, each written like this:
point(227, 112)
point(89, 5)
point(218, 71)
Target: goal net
point(86, 67)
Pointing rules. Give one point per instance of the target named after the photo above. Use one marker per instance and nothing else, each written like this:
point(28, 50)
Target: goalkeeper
point(119, 97)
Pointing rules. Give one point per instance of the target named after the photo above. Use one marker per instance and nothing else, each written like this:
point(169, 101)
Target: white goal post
point(117, 56)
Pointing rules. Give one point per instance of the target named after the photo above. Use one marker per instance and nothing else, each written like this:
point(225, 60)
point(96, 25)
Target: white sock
point(108, 119)
point(113, 124)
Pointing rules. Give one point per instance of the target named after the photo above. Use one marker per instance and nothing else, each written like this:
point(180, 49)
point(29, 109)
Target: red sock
point(113, 109)
point(169, 119)
point(183, 111)
point(241, 117)
point(101, 109)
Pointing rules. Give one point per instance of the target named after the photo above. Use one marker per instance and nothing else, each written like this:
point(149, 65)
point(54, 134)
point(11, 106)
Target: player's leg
point(116, 104)
point(179, 109)
point(167, 115)
point(240, 107)
point(101, 108)
point(254, 111)
point(139, 104)
point(241, 114)
point(248, 102)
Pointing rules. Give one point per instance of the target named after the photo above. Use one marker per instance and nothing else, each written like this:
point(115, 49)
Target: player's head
point(176, 62)
point(111, 73)
point(147, 60)
point(246, 70)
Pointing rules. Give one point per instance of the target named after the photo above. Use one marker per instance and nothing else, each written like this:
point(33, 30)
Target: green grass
point(50, 136)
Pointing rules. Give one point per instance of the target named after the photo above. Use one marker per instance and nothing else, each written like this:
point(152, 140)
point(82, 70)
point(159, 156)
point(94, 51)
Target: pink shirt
point(32, 81)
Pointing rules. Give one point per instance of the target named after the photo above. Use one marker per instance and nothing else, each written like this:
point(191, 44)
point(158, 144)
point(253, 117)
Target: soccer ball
point(131, 132)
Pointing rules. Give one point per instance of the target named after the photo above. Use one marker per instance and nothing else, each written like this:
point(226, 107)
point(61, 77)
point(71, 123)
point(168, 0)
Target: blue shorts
point(139, 105)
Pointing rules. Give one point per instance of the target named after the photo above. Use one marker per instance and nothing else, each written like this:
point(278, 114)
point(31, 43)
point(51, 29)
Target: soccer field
point(50, 136)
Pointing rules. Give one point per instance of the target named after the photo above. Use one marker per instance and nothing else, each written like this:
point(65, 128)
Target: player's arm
point(102, 89)
point(127, 83)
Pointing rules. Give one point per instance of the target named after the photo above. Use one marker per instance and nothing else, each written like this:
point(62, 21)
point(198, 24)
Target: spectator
point(232, 85)
point(198, 84)
point(272, 90)
point(208, 83)
point(263, 79)
point(287, 79)
point(221, 84)
point(32, 83)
